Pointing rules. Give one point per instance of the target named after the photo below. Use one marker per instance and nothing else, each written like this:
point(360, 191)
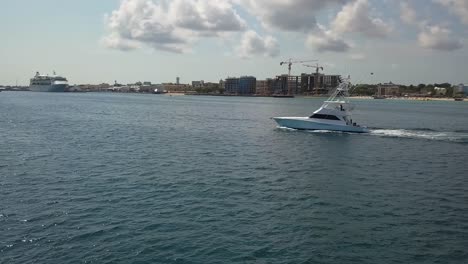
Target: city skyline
point(407, 42)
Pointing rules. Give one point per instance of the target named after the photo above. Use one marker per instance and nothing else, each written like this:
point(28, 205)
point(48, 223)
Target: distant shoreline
point(409, 98)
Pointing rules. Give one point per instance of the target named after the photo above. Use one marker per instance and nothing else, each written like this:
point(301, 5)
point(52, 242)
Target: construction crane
point(317, 68)
point(290, 62)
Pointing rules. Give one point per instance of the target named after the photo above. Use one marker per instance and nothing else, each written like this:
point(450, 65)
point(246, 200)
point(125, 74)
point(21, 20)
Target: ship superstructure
point(46, 83)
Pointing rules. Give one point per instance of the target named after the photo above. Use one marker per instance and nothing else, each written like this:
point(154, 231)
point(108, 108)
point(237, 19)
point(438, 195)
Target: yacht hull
point(305, 123)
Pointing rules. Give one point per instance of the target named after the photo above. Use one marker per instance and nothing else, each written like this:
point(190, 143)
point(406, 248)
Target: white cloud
point(114, 41)
point(287, 15)
point(325, 40)
point(169, 25)
point(176, 25)
point(430, 37)
point(210, 16)
point(356, 17)
point(458, 7)
point(358, 56)
point(407, 13)
point(253, 44)
point(438, 38)
point(409, 16)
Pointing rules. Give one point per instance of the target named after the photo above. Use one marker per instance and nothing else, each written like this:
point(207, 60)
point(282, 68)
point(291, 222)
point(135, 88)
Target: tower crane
point(317, 68)
point(290, 62)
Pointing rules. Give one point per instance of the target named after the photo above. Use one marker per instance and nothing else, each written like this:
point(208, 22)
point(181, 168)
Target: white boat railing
point(340, 95)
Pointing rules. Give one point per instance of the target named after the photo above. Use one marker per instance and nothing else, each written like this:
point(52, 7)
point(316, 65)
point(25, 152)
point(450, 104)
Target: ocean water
point(128, 178)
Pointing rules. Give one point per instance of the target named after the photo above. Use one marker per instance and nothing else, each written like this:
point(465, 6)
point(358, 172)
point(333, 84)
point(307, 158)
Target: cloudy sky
point(89, 41)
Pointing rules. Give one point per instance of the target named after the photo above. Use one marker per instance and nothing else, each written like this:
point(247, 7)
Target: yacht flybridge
point(333, 115)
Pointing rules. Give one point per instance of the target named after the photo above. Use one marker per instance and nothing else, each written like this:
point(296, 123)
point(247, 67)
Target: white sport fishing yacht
point(333, 115)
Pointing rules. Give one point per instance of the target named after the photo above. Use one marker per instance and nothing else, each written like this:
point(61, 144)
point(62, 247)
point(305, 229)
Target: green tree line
point(371, 89)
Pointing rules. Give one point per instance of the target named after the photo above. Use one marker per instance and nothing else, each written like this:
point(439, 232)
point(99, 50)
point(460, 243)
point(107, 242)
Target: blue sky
point(88, 41)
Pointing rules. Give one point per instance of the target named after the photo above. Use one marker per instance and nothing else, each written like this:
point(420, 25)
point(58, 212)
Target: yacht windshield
point(320, 116)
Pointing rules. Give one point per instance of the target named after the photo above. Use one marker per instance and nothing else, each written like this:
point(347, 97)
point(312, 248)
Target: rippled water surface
point(127, 178)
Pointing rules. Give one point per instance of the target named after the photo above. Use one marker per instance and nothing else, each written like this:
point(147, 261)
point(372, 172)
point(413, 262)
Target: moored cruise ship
point(46, 83)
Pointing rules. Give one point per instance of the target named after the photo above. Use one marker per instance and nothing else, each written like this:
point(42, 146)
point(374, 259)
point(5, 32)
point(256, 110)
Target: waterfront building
point(206, 87)
point(281, 85)
point(221, 86)
point(211, 85)
point(286, 85)
point(120, 89)
point(305, 84)
point(309, 82)
point(318, 83)
point(266, 87)
point(175, 88)
point(271, 83)
point(103, 87)
point(388, 89)
point(331, 81)
point(461, 89)
point(198, 84)
point(231, 85)
point(147, 87)
point(439, 91)
point(245, 85)
point(260, 87)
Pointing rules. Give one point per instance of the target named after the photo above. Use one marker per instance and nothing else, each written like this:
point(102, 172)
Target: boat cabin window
point(329, 117)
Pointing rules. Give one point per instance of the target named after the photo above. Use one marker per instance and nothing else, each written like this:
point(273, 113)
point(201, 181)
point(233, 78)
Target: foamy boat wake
point(426, 134)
